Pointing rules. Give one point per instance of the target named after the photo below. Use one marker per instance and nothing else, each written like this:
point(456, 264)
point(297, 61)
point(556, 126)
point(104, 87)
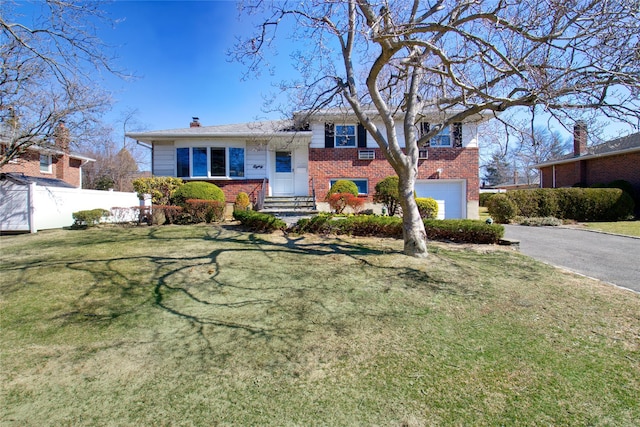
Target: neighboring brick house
point(48, 162)
point(618, 159)
point(292, 160)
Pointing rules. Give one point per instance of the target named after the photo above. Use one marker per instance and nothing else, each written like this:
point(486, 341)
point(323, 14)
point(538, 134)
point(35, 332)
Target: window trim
point(355, 181)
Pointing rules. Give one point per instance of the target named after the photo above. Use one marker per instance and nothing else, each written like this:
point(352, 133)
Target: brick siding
point(600, 170)
point(326, 164)
point(63, 167)
point(232, 188)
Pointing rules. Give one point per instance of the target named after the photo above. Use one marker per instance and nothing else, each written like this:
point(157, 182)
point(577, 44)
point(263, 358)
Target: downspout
point(553, 174)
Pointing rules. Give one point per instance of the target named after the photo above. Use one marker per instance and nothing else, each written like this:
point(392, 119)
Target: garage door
point(451, 192)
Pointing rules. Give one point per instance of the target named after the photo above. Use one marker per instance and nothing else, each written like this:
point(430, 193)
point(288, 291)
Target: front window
point(199, 161)
point(210, 162)
point(345, 136)
point(45, 163)
point(236, 162)
point(362, 184)
point(218, 162)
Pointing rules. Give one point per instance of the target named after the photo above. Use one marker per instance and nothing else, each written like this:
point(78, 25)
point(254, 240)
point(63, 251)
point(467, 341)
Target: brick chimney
point(61, 137)
point(195, 123)
point(579, 138)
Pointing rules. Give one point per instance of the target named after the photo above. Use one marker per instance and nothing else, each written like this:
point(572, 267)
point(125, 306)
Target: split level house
point(303, 158)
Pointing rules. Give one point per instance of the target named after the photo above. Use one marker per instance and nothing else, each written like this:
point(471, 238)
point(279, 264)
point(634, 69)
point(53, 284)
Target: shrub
point(464, 231)
point(242, 201)
point(484, 198)
point(538, 221)
point(197, 190)
point(160, 188)
point(387, 194)
point(339, 201)
point(594, 204)
point(89, 218)
point(343, 186)
point(163, 214)
point(467, 231)
point(204, 210)
point(259, 222)
point(124, 215)
point(502, 208)
point(427, 207)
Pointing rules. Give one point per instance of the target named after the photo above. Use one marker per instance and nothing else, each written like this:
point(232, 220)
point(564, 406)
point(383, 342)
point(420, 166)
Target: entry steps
point(294, 205)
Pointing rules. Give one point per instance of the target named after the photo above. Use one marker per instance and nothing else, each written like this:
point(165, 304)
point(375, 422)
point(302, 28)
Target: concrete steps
point(294, 205)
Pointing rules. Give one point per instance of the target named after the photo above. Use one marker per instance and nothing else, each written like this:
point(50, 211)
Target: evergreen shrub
point(502, 208)
point(259, 222)
point(427, 207)
point(199, 190)
point(387, 194)
point(89, 218)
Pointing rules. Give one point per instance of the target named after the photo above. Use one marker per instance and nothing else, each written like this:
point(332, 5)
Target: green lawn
point(207, 325)
point(627, 228)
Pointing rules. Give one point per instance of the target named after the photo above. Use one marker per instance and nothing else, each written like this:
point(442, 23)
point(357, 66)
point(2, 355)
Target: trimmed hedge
point(580, 204)
point(259, 222)
point(89, 218)
point(461, 231)
point(199, 190)
point(464, 231)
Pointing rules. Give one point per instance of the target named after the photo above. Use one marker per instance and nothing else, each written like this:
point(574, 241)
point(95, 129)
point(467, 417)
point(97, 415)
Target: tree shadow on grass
point(196, 284)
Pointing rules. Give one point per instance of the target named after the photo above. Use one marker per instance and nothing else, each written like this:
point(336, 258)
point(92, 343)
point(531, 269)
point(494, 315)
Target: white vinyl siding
point(256, 161)
point(164, 159)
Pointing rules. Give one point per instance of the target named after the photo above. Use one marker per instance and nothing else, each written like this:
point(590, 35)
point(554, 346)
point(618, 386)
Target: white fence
point(32, 207)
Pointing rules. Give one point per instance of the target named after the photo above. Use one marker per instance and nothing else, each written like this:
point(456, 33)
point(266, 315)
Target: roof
point(23, 179)
point(340, 113)
point(54, 150)
point(263, 129)
point(623, 145)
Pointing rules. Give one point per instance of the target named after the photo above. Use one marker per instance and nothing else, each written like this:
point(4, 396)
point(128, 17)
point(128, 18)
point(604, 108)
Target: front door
point(283, 180)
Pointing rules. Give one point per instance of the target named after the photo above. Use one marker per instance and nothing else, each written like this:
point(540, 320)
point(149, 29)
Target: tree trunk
point(413, 232)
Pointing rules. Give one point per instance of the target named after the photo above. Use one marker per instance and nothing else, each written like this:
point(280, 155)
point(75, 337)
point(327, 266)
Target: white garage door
point(451, 192)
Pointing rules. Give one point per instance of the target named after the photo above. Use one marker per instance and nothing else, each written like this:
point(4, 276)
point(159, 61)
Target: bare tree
point(49, 66)
point(457, 57)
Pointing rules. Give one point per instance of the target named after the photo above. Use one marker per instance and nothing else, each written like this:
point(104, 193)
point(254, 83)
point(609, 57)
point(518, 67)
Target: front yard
point(206, 325)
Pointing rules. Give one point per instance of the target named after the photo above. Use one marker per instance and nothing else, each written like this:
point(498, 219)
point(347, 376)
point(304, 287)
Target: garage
point(450, 196)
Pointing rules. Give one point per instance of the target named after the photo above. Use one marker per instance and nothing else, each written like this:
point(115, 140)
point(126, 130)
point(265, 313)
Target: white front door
point(283, 176)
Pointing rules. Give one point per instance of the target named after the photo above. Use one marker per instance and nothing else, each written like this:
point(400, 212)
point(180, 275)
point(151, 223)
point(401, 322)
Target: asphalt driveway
point(610, 258)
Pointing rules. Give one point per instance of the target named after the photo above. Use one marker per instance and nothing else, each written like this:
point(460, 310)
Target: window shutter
point(424, 129)
point(362, 136)
point(329, 135)
point(457, 135)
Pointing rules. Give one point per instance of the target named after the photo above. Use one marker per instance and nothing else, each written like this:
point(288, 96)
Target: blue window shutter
point(362, 136)
point(329, 135)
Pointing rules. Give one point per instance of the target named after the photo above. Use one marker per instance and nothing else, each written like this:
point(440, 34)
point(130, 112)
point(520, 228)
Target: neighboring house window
point(362, 184)
point(45, 163)
point(210, 162)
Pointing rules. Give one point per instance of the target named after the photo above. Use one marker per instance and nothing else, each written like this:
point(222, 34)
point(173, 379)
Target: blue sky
point(178, 51)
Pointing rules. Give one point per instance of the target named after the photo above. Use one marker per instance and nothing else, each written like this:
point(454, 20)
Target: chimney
point(195, 123)
point(579, 138)
point(61, 137)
